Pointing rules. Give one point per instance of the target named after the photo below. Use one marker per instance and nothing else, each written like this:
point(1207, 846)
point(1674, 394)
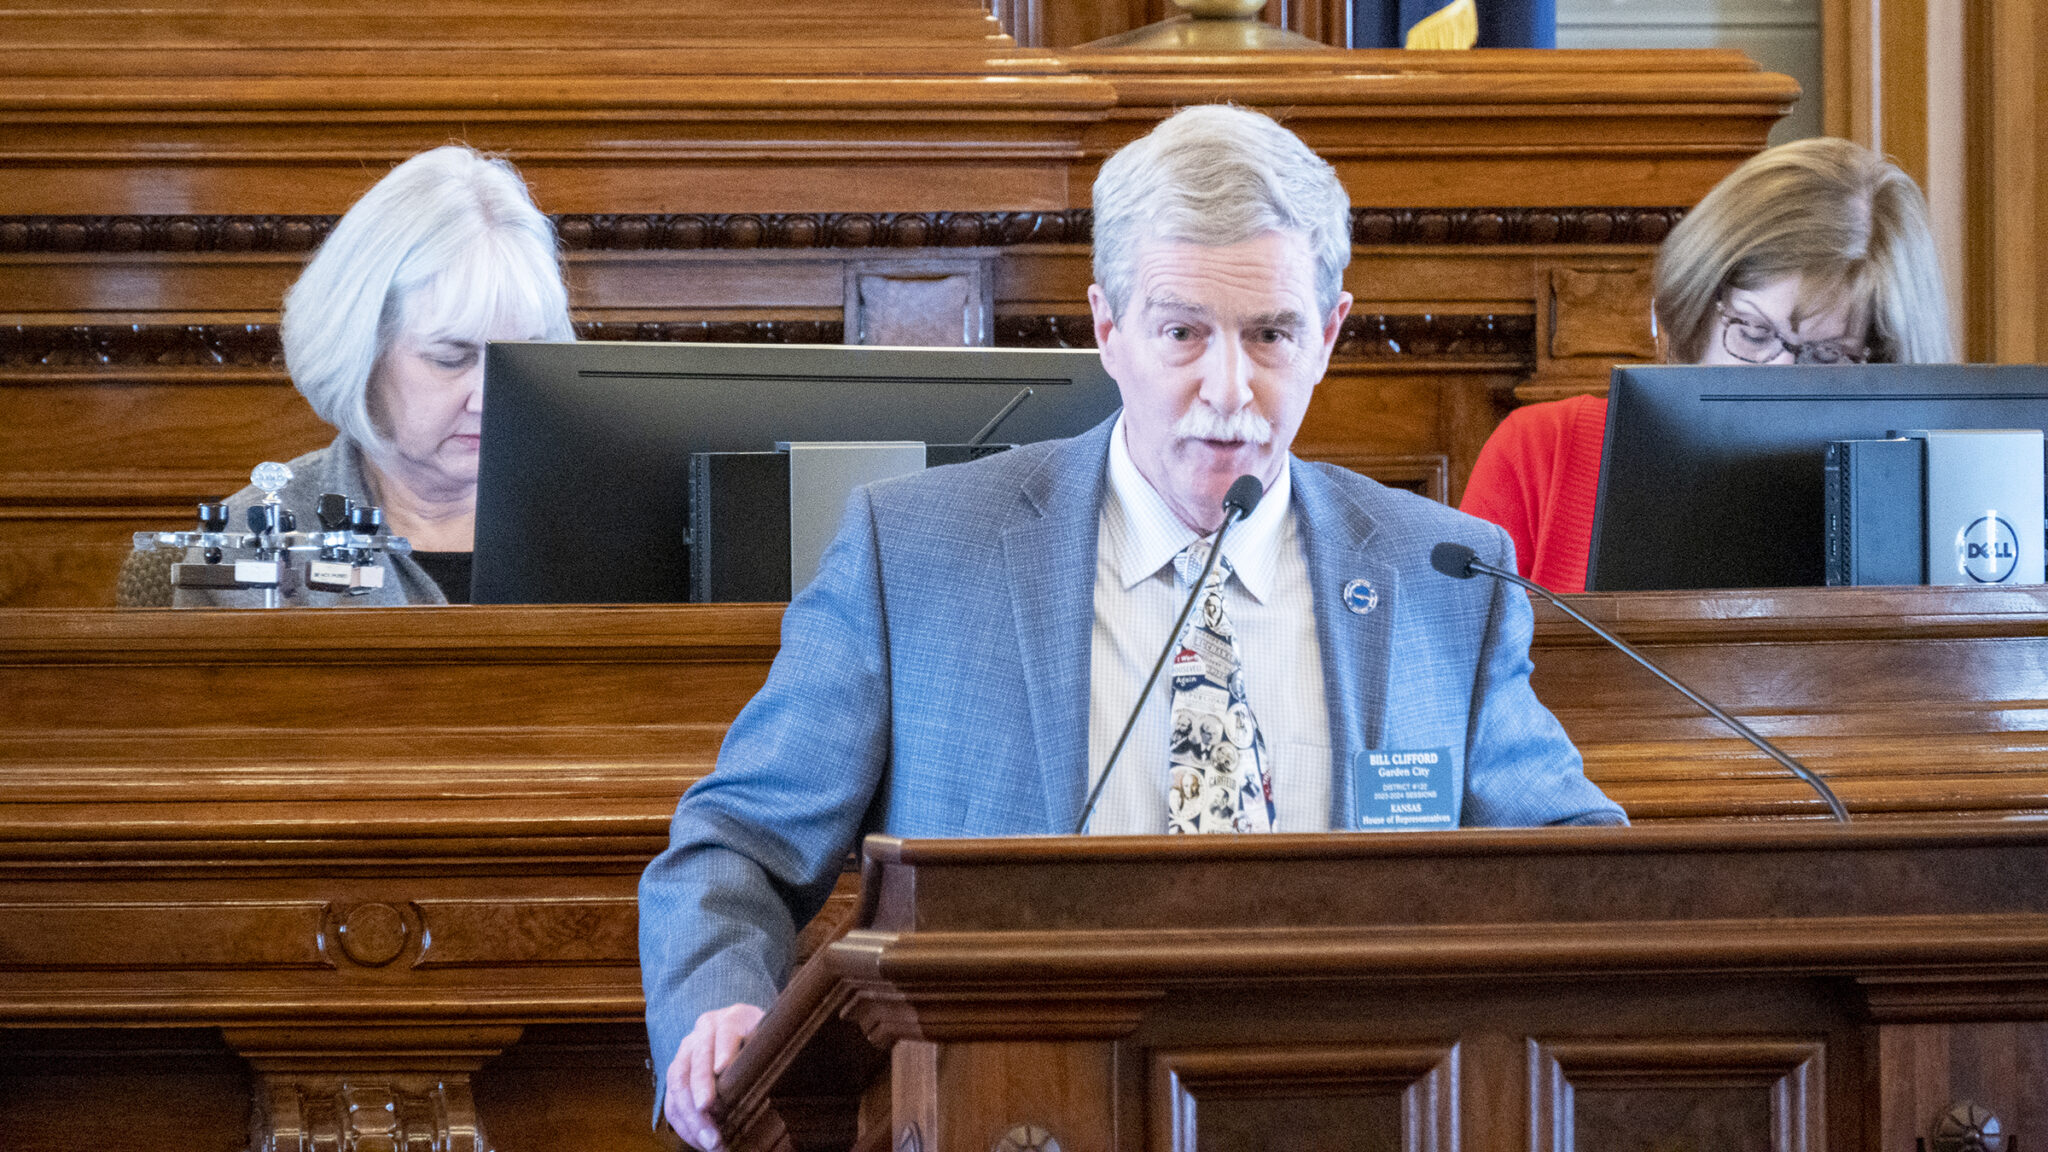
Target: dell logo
point(1988, 550)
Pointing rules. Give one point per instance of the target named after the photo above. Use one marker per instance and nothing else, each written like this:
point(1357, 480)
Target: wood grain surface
point(164, 171)
point(360, 837)
point(1731, 987)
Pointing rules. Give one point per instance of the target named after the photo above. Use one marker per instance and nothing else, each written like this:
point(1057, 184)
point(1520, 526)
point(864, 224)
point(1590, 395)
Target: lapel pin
point(1360, 597)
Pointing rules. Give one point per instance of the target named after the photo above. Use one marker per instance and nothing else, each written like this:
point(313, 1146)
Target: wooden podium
point(1733, 988)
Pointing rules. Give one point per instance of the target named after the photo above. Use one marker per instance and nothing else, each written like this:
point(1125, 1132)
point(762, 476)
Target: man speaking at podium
point(977, 636)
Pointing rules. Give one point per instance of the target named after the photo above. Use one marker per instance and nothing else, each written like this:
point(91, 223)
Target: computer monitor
point(586, 446)
point(1712, 477)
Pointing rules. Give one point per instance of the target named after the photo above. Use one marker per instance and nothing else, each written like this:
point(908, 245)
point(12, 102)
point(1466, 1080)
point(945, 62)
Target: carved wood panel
point(1668, 1095)
point(1601, 312)
point(1056, 1096)
point(1382, 1098)
point(1928, 1068)
point(923, 303)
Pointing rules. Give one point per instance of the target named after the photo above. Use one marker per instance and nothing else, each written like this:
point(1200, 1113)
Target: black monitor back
point(582, 482)
point(1712, 477)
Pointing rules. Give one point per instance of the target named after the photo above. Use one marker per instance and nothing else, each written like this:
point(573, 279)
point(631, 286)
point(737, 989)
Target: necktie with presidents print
point(1219, 776)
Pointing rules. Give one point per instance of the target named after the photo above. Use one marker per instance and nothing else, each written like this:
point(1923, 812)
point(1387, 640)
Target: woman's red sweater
point(1537, 477)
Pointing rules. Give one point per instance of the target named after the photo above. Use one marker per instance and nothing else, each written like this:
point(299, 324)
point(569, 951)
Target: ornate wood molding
point(62, 346)
point(257, 346)
point(338, 1115)
point(1379, 336)
point(1492, 226)
point(1373, 336)
point(338, 1089)
point(716, 331)
point(1424, 1076)
point(136, 346)
point(743, 231)
point(1785, 1077)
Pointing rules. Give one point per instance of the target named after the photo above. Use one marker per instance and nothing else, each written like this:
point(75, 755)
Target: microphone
point(996, 421)
point(1244, 495)
point(1461, 563)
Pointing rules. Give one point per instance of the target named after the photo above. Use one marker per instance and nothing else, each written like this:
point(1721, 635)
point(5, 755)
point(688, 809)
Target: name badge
point(1404, 790)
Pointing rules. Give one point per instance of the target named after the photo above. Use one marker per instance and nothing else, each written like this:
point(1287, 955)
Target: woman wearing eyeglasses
point(1814, 252)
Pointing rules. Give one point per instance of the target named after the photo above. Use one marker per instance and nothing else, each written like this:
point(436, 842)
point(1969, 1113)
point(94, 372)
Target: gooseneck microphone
point(1460, 562)
point(1238, 503)
point(1244, 495)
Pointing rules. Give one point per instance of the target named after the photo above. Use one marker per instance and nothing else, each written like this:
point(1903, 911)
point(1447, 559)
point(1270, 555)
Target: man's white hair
point(449, 243)
point(1215, 175)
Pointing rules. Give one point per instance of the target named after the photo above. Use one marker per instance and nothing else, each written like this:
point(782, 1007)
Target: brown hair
point(1847, 222)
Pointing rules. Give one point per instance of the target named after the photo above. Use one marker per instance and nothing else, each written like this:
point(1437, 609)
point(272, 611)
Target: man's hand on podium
point(693, 1075)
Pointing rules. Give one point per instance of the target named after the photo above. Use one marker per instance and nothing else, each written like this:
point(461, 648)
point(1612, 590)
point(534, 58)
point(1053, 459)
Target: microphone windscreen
point(1453, 560)
point(1244, 495)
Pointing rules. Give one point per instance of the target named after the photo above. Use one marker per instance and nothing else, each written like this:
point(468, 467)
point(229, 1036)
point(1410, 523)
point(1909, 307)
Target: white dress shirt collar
point(1153, 535)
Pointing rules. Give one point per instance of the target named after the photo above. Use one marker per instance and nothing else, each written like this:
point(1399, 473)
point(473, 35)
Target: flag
point(1453, 26)
point(1500, 23)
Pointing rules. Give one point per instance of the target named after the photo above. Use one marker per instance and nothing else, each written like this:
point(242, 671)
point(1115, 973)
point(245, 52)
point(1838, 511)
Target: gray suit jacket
point(933, 681)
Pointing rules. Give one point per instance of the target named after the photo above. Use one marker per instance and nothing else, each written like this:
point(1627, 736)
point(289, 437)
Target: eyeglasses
point(1754, 340)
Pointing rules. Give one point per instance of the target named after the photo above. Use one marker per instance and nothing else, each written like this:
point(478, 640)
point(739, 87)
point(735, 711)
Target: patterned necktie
point(1216, 759)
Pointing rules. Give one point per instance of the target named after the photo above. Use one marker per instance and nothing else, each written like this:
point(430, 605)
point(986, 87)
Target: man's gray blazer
point(933, 681)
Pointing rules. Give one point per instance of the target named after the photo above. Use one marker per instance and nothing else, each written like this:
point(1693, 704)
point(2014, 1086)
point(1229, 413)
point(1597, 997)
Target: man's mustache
point(1205, 423)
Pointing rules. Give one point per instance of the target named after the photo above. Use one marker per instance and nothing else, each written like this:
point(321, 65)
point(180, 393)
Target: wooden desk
point(280, 862)
point(256, 856)
point(779, 171)
point(1916, 702)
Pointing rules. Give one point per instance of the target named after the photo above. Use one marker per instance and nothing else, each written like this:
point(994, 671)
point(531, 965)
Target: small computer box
point(1947, 506)
point(1876, 507)
point(1984, 506)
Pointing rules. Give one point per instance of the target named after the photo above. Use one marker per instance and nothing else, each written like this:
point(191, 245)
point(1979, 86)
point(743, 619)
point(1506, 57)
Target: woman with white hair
point(384, 334)
point(1813, 252)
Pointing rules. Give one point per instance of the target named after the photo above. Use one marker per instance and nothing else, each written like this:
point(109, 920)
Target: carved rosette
point(373, 933)
point(1027, 1138)
point(1969, 1127)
